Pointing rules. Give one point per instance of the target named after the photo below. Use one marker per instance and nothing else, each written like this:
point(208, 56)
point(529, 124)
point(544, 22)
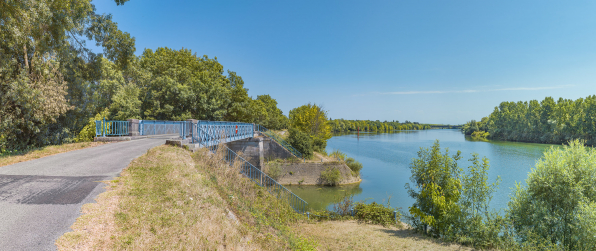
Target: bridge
point(210, 135)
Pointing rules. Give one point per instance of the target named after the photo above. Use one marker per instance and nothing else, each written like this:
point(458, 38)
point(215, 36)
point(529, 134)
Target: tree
point(301, 142)
point(275, 118)
point(312, 120)
point(183, 86)
point(435, 177)
point(46, 70)
point(558, 202)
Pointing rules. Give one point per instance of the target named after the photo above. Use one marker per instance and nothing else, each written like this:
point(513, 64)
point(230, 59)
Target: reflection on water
point(320, 197)
point(386, 158)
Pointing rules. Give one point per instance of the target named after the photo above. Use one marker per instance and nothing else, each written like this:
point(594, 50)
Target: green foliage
point(275, 119)
point(437, 190)
point(354, 165)
point(343, 125)
point(301, 142)
point(476, 225)
point(88, 132)
point(454, 203)
point(546, 121)
point(331, 176)
point(126, 103)
point(377, 213)
point(480, 135)
point(312, 120)
point(558, 202)
point(338, 154)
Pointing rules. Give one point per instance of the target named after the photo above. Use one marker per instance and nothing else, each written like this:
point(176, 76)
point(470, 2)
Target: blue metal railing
point(157, 127)
point(262, 179)
point(210, 133)
point(279, 140)
point(111, 128)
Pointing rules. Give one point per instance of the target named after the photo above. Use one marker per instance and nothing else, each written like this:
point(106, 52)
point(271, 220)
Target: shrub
point(377, 214)
point(354, 165)
point(274, 170)
point(331, 176)
point(437, 189)
point(453, 202)
point(319, 144)
point(88, 132)
point(559, 201)
point(301, 142)
point(338, 154)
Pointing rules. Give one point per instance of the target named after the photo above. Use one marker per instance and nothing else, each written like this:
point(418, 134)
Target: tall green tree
point(45, 67)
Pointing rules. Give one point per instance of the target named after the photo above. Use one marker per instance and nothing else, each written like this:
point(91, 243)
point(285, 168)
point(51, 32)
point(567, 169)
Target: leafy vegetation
point(331, 176)
point(354, 165)
point(453, 204)
point(377, 214)
point(546, 121)
point(301, 142)
point(312, 120)
point(342, 125)
point(558, 204)
point(52, 84)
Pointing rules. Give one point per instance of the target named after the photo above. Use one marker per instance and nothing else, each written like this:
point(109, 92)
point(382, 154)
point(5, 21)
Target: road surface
point(40, 199)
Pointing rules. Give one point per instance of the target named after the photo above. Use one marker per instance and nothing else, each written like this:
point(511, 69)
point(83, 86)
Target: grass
point(13, 158)
point(170, 199)
point(351, 235)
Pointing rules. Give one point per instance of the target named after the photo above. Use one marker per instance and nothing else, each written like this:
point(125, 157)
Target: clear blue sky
point(426, 61)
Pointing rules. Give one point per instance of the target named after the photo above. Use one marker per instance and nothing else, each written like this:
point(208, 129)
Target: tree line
point(52, 85)
point(342, 125)
point(546, 121)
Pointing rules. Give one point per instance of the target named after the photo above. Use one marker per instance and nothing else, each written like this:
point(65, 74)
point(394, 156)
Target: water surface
point(386, 158)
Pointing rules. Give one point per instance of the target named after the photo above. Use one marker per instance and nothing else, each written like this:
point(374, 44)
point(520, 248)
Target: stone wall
point(310, 173)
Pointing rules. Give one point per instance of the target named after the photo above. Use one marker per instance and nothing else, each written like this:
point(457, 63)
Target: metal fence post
point(104, 127)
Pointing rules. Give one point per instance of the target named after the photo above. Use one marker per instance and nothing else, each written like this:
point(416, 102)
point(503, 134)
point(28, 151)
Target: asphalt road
point(40, 199)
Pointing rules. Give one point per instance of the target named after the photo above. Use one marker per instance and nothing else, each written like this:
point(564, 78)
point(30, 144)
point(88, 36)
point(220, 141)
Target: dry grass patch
point(351, 235)
point(45, 151)
point(170, 200)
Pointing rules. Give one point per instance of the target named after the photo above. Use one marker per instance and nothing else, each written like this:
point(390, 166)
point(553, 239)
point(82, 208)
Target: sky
point(426, 61)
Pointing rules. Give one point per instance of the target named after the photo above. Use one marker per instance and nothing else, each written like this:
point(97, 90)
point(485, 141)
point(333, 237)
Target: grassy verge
point(351, 235)
point(13, 158)
point(169, 199)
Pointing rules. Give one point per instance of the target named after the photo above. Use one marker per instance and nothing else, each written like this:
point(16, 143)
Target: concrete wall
point(310, 173)
point(256, 150)
point(247, 149)
point(272, 150)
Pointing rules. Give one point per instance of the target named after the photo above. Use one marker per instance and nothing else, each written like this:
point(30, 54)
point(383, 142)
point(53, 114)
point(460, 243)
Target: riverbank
point(170, 198)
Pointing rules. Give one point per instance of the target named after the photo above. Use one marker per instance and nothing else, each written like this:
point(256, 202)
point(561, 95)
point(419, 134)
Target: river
point(386, 158)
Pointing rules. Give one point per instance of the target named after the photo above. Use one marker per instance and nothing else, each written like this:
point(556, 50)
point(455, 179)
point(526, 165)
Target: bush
point(331, 176)
point(88, 132)
point(338, 155)
point(453, 202)
point(354, 165)
point(274, 170)
point(436, 189)
point(559, 201)
point(301, 142)
point(319, 144)
point(377, 214)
